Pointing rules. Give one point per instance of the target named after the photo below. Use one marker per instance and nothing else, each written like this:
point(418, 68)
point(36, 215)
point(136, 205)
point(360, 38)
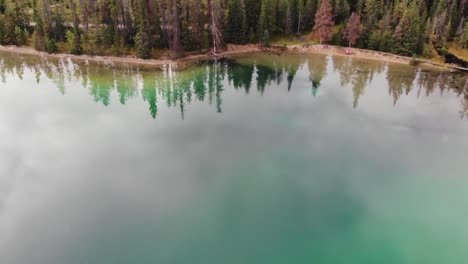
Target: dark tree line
point(116, 27)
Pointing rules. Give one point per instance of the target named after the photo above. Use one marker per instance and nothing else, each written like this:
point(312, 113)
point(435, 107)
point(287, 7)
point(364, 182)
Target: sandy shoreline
point(231, 51)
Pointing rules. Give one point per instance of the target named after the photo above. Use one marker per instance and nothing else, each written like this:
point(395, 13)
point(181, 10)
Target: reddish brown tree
point(353, 29)
point(324, 22)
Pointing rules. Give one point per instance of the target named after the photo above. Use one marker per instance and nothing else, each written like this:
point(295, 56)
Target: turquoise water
point(266, 159)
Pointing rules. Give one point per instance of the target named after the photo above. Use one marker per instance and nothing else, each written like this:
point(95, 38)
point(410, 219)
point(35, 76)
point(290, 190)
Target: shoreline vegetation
point(230, 52)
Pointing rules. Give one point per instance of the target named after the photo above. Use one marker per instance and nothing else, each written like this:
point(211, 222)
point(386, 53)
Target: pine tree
point(109, 34)
point(252, 37)
point(46, 14)
point(236, 30)
point(20, 36)
point(300, 14)
point(386, 34)
point(252, 12)
point(84, 10)
point(59, 28)
point(142, 38)
point(267, 20)
point(353, 29)
point(397, 11)
point(324, 22)
point(51, 46)
point(373, 11)
point(2, 7)
point(341, 11)
point(266, 38)
point(309, 13)
point(288, 20)
point(38, 37)
point(439, 27)
point(193, 24)
point(464, 37)
point(455, 18)
point(2, 30)
point(74, 38)
point(408, 32)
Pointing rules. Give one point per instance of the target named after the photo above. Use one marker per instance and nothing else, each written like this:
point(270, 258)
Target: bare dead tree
point(214, 12)
point(176, 46)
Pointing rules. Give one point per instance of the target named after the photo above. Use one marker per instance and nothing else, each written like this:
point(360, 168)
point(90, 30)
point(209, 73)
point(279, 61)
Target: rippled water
point(266, 159)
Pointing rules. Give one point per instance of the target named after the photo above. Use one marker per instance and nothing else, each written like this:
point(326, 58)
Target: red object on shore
point(348, 52)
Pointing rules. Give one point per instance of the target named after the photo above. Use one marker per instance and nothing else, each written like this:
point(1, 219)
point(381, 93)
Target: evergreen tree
point(20, 36)
point(353, 29)
point(143, 46)
point(407, 32)
point(192, 25)
point(309, 13)
point(51, 46)
point(464, 37)
point(266, 38)
point(399, 8)
point(2, 30)
point(74, 41)
point(455, 18)
point(142, 38)
point(373, 11)
point(341, 11)
point(252, 37)
point(74, 37)
point(438, 28)
point(288, 19)
point(2, 7)
point(38, 38)
point(59, 28)
point(46, 15)
point(252, 12)
point(109, 34)
point(267, 19)
point(300, 14)
point(386, 39)
point(236, 28)
point(324, 22)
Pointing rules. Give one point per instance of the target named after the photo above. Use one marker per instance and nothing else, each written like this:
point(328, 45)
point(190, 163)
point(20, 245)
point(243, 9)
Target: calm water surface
point(267, 159)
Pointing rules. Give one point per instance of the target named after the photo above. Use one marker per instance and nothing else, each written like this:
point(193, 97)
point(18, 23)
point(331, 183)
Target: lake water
point(266, 159)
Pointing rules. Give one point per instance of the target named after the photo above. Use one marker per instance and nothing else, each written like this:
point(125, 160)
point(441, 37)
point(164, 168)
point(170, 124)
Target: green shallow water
point(267, 159)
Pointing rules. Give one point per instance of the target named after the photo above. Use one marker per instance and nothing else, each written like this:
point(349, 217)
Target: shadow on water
point(207, 81)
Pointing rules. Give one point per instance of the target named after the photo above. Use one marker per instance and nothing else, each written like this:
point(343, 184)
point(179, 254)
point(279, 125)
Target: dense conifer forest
point(147, 27)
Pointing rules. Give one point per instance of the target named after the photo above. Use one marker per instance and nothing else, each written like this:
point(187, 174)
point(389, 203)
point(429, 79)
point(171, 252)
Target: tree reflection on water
point(208, 81)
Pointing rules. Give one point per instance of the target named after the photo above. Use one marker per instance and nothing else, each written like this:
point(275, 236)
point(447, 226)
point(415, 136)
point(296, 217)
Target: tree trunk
point(213, 12)
point(84, 9)
point(299, 23)
point(176, 46)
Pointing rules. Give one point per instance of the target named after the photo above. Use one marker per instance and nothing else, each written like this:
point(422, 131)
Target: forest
point(147, 28)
